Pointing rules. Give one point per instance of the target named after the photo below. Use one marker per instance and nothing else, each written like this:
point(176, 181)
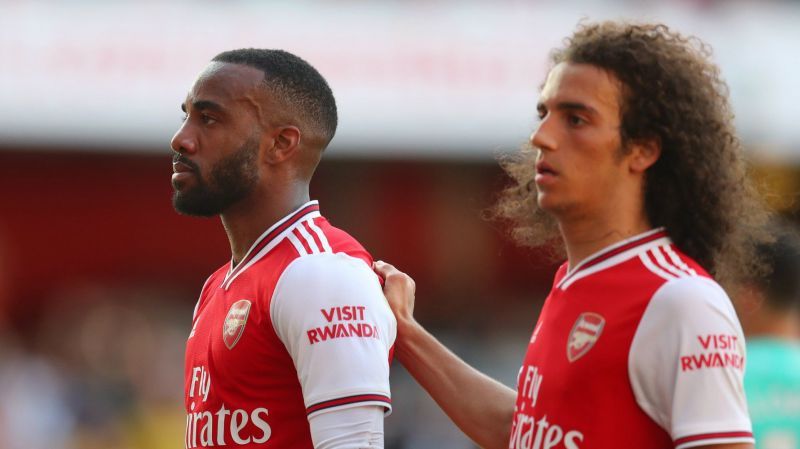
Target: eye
point(575, 120)
point(184, 117)
point(207, 119)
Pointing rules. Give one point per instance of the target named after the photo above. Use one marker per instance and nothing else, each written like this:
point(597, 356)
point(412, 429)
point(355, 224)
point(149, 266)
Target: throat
point(583, 246)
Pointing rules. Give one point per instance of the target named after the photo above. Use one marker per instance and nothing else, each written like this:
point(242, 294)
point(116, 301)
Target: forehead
point(223, 83)
point(582, 83)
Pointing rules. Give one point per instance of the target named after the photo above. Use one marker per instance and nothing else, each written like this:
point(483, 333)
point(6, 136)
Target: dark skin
point(226, 107)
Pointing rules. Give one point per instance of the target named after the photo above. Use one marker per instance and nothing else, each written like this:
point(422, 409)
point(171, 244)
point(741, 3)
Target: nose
point(184, 140)
point(543, 137)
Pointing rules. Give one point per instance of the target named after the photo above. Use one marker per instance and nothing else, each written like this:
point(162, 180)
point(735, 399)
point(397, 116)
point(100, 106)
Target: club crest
point(233, 327)
point(584, 335)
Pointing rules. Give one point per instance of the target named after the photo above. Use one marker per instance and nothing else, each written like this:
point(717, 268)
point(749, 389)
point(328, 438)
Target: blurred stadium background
point(98, 275)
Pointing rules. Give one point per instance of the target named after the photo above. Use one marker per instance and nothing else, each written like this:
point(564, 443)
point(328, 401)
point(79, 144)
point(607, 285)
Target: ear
point(644, 153)
point(284, 144)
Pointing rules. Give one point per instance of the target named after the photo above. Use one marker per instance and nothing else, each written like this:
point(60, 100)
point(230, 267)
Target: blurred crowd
point(101, 368)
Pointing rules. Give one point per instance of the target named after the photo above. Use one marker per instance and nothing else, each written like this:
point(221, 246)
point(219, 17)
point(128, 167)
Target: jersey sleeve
point(354, 427)
point(330, 313)
point(686, 364)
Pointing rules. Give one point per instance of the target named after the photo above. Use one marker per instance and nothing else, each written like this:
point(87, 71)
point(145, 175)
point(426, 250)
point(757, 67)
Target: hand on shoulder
point(399, 289)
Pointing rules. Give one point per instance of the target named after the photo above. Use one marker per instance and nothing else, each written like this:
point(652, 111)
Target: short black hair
point(781, 285)
point(295, 82)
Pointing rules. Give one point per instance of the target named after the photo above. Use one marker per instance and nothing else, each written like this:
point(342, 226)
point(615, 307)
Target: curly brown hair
point(698, 189)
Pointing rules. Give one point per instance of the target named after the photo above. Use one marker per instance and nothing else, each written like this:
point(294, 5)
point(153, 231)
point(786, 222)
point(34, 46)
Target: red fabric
point(256, 373)
point(585, 399)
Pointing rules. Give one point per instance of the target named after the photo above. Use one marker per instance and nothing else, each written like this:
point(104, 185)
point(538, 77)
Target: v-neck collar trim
point(272, 234)
point(614, 254)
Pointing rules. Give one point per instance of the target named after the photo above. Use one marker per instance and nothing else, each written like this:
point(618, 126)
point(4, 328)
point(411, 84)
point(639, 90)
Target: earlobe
point(645, 153)
point(285, 142)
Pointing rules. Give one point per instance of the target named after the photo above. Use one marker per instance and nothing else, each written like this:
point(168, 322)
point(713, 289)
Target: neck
point(246, 220)
point(588, 235)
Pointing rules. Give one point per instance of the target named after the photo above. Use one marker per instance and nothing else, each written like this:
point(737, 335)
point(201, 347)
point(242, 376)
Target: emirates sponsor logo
point(227, 427)
point(530, 432)
point(224, 427)
point(233, 327)
point(536, 432)
point(584, 335)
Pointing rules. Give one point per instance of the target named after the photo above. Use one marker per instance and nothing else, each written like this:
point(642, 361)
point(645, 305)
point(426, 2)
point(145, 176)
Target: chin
point(553, 205)
point(546, 202)
point(194, 202)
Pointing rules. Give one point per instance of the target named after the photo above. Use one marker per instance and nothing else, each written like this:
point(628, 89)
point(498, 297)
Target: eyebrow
point(202, 105)
point(569, 106)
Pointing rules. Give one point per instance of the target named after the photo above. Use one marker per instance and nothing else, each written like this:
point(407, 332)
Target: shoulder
point(687, 306)
point(681, 318)
point(327, 267)
point(316, 288)
point(324, 276)
point(339, 241)
point(686, 320)
point(666, 263)
point(688, 296)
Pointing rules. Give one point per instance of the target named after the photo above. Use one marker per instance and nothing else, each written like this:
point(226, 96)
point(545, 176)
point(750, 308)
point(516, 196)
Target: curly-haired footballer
point(635, 169)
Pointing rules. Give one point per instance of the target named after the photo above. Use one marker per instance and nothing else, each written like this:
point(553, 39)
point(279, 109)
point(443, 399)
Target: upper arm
point(686, 365)
point(330, 313)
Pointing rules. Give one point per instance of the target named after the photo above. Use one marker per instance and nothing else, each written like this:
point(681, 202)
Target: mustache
point(185, 160)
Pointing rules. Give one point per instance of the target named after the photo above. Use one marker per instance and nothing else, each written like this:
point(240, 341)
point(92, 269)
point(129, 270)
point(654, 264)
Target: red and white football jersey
point(635, 347)
point(300, 326)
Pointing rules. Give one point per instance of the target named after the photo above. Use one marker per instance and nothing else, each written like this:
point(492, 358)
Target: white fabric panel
point(352, 428)
point(686, 362)
point(318, 302)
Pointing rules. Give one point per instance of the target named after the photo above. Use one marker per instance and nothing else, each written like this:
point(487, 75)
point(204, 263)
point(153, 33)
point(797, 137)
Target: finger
point(384, 269)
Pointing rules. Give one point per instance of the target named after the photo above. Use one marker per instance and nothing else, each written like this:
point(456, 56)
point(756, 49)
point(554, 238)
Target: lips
point(543, 168)
point(181, 167)
point(183, 170)
point(182, 164)
point(546, 175)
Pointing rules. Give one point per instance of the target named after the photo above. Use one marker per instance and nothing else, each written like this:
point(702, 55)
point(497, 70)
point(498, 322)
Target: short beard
point(231, 179)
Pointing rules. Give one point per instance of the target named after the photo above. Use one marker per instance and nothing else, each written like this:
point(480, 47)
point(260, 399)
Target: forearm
point(479, 405)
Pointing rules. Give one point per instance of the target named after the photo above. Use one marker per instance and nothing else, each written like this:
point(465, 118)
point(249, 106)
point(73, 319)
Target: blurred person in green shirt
point(769, 309)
